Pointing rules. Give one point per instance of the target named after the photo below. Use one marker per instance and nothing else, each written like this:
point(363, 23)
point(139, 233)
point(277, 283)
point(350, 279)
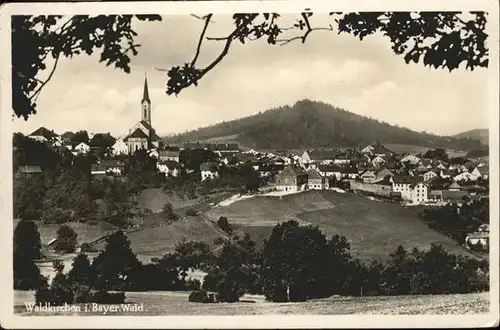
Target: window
point(145, 112)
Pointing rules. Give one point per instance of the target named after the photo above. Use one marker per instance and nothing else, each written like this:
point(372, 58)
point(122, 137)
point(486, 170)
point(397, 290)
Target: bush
point(201, 296)
point(190, 212)
point(223, 224)
point(86, 247)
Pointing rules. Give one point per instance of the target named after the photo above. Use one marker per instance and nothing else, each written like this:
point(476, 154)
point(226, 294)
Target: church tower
point(146, 104)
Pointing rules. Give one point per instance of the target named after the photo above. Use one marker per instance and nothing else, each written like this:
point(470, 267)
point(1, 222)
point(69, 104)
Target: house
point(114, 167)
point(119, 147)
point(445, 174)
point(351, 172)
point(292, 178)
point(380, 150)
point(169, 168)
point(316, 181)
point(28, 171)
point(171, 155)
point(477, 238)
point(317, 157)
point(332, 171)
point(465, 176)
point(209, 171)
point(378, 160)
point(342, 159)
point(403, 185)
point(81, 149)
point(452, 196)
point(359, 159)
point(412, 159)
point(98, 171)
point(429, 175)
point(419, 192)
point(44, 135)
point(368, 176)
point(436, 196)
point(481, 172)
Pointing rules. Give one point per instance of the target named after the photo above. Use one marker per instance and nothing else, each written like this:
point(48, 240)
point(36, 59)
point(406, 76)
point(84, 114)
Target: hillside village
point(430, 178)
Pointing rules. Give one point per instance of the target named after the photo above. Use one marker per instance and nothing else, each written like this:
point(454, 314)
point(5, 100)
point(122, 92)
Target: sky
point(363, 77)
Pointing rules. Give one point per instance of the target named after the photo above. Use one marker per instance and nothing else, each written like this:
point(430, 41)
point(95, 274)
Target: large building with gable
point(142, 135)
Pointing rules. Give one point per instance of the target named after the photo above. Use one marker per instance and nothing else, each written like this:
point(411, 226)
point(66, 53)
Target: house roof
point(332, 168)
point(454, 185)
point(477, 235)
point(314, 175)
point(454, 195)
point(94, 141)
point(380, 149)
point(29, 169)
point(321, 154)
point(98, 167)
point(406, 179)
point(292, 170)
point(138, 133)
point(67, 135)
point(42, 131)
point(484, 169)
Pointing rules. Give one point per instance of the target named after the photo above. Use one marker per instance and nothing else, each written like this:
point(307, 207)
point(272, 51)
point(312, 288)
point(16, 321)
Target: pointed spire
point(145, 94)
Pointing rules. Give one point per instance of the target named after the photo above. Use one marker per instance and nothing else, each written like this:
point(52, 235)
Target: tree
point(116, 264)
point(27, 247)
point(66, 239)
point(81, 271)
point(439, 39)
point(223, 224)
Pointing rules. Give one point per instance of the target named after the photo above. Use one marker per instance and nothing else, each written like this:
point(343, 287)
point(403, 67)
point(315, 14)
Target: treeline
point(310, 124)
point(115, 269)
point(456, 221)
point(296, 263)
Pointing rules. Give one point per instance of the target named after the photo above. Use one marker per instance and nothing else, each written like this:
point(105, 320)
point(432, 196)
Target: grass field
point(159, 240)
point(374, 228)
point(155, 198)
point(86, 232)
point(176, 303)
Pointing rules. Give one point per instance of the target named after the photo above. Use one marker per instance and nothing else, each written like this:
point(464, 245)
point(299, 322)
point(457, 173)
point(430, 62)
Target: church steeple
point(146, 103)
point(145, 94)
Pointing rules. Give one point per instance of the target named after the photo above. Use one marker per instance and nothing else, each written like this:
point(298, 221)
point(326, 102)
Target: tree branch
point(35, 95)
point(200, 40)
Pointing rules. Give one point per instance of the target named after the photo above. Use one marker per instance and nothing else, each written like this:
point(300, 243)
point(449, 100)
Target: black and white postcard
point(250, 164)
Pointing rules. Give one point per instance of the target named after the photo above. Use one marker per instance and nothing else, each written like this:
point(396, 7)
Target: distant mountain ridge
point(481, 134)
point(312, 124)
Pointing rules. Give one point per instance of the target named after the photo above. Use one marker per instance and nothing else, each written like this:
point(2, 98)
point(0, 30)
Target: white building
point(420, 193)
point(403, 185)
point(209, 171)
point(169, 168)
point(412, 159)
point(119, 147)
point(81, 148)
point(429, 175)
point(465, 176)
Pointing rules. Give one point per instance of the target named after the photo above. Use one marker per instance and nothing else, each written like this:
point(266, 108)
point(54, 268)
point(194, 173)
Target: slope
point(310, 124)
point(373, 228)
point(481, 134)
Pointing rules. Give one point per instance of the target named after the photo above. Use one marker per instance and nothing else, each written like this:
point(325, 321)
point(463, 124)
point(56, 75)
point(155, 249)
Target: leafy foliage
point(66, 239)
point(27, 247)
point(438, 39)
point(37, 40)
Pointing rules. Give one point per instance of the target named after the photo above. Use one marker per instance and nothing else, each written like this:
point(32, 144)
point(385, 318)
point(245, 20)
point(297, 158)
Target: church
point(142, 135)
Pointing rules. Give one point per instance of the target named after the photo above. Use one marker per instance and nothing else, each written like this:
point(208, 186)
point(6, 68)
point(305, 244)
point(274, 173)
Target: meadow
point(176, 303)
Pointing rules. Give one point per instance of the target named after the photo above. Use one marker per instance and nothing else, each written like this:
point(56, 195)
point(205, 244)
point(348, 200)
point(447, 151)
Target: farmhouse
point(292, 178)
point(452, 196)
point(332, 171)
point(429, 175)
point(81, 148)
point(477, 238)
point(465, 176)
point(368, 176)
point(119, 147)
point(316, 181)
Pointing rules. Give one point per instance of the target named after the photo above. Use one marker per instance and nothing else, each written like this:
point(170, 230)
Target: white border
point(9, 320)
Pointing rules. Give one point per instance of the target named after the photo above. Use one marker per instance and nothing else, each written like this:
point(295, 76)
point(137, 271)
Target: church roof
point(145, 94)
point(138, 133)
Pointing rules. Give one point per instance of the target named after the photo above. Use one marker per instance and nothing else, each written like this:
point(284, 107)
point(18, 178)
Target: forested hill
point(310, 124)
point(477, 134)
